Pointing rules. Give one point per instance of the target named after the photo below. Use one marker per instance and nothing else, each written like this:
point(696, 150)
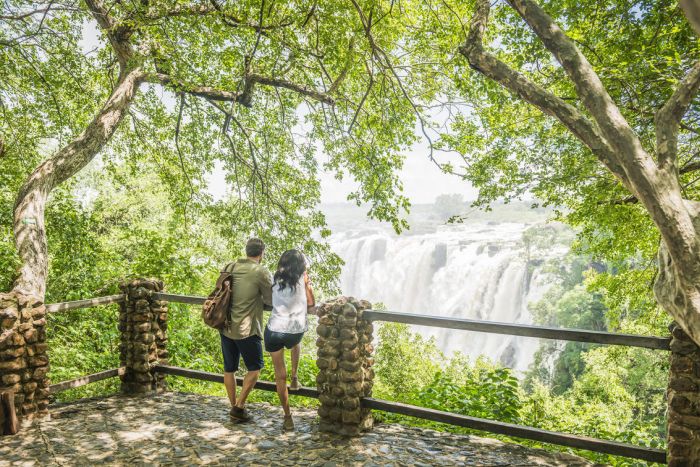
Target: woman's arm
point(310, 300)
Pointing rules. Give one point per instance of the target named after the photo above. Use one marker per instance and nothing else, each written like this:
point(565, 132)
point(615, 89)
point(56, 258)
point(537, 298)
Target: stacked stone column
point(24, 363)
point(345, 366)
point(683, 400)
point(143, 323)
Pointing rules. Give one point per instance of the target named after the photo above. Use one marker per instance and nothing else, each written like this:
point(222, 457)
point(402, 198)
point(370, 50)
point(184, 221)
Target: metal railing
point(92, 378)
point(525, 330)
point(492, 426)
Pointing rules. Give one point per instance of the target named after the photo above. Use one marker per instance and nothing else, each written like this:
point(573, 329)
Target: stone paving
point(192, 429)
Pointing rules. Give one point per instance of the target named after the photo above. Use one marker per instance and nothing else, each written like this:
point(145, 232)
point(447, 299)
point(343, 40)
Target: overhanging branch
point(589, 87)
point(690, 167)
point(39, 11)
point(231, 96)
point(668, 118)
point(490, 66)
point(118, 35)
point(298, 88)
point(213, 9)
point(200, 91)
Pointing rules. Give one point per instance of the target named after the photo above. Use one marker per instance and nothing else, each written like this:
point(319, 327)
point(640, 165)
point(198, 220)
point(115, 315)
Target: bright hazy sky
point(422, 180)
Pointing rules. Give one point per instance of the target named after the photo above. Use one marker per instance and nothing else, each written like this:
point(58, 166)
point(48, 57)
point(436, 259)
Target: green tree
point(240, 79)
point(573, 308)
point(405, 361)
point(620, 150)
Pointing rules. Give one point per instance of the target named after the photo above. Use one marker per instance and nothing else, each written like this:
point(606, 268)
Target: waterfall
point(475, 271)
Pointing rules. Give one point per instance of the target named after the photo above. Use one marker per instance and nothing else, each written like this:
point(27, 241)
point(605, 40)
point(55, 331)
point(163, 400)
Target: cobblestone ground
point(189, 429)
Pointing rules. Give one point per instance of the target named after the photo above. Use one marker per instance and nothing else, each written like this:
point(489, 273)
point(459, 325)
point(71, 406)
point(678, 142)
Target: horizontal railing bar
point(493, 327)
point(191, 299)
point(219, 378)
point(83, 380)
point(64, 306)
point(527, 330)
point(519, 431)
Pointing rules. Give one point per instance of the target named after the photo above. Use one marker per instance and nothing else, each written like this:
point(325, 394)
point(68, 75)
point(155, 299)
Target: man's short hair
point(254, 247)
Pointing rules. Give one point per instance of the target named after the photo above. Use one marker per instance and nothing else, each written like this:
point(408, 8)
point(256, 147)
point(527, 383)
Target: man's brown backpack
point(216, 311)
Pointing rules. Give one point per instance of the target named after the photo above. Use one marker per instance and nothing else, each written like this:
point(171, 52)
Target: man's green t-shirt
point(252, 289)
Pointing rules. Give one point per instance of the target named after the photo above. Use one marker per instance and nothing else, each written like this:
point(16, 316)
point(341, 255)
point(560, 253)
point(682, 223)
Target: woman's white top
point(288, 309)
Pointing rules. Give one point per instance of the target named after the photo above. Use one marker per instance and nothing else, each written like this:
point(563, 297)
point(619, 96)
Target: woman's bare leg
point(281, 379)
point(296, 353)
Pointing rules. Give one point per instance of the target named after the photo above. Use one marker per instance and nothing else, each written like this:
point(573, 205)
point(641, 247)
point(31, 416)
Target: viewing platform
point(192, 429)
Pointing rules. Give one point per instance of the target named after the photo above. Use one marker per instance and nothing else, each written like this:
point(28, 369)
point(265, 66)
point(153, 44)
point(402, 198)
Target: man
point(252, 291)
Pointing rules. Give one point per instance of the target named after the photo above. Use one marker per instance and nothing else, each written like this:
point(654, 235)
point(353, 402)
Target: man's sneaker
point(239, 414)
point(294, 385)
point(288, 424)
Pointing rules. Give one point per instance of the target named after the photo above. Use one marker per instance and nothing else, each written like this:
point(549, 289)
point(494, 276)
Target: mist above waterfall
point(483, 268)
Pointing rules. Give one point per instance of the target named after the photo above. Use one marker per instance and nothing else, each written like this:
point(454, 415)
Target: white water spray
point(474, 271)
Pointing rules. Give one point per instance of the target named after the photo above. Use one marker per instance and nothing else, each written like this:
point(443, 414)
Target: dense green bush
point(610, 399)
point(490, 393)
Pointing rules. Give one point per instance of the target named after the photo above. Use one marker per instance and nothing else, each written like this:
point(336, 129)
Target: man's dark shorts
point(275, 341)
point(249, 348)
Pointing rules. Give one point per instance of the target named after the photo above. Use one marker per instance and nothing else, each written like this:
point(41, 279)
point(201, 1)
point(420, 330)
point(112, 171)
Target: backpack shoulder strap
point(225, 274)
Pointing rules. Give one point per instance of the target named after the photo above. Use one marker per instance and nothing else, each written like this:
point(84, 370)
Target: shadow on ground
point(192, 429)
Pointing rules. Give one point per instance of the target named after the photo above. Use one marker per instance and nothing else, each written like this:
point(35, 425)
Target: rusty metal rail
point(83, 380)
point(65, 306)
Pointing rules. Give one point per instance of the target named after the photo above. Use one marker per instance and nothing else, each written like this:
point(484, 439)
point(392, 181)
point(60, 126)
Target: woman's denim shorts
point(275, 341)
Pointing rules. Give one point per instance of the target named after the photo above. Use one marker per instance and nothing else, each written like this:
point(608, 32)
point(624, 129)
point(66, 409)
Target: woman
point(292, 299)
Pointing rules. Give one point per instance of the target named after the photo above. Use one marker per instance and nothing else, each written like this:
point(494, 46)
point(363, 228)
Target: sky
point(422, 180)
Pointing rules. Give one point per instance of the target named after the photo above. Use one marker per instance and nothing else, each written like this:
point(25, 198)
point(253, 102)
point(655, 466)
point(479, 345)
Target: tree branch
point(40, 11)
point(668, 117)
point(118, 35)
point(659, 191)
point(181, 157)
point(344, 72)
point(691, 9)
point(229, 96)
point(183, 10)
point(200, 91)
point(689, 167)
point(490, 66)
point(382, 58)
point(214, 8)
point(298, 88)
point(589, 87)
point(28, 219)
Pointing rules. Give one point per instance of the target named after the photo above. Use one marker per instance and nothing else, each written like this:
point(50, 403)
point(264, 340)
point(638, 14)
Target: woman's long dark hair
point(290, 268)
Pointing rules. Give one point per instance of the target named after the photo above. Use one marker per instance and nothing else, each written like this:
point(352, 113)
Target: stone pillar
point(143, 323)
point(345, 366)
point(683, 400)
point(24, 363)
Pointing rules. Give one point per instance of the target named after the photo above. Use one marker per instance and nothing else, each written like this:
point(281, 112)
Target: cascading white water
point(476, 271)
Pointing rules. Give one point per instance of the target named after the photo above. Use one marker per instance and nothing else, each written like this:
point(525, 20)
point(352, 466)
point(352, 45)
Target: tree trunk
point(692, 12)
point(29, 225)
point(675, 290)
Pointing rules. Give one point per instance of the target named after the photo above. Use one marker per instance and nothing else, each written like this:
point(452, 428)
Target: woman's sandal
point(294, 385)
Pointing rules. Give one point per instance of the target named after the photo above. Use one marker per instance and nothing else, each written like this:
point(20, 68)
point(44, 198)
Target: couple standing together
point(290, 297)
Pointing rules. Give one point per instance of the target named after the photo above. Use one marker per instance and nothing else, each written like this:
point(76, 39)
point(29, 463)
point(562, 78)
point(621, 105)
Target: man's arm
point(265, 286)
